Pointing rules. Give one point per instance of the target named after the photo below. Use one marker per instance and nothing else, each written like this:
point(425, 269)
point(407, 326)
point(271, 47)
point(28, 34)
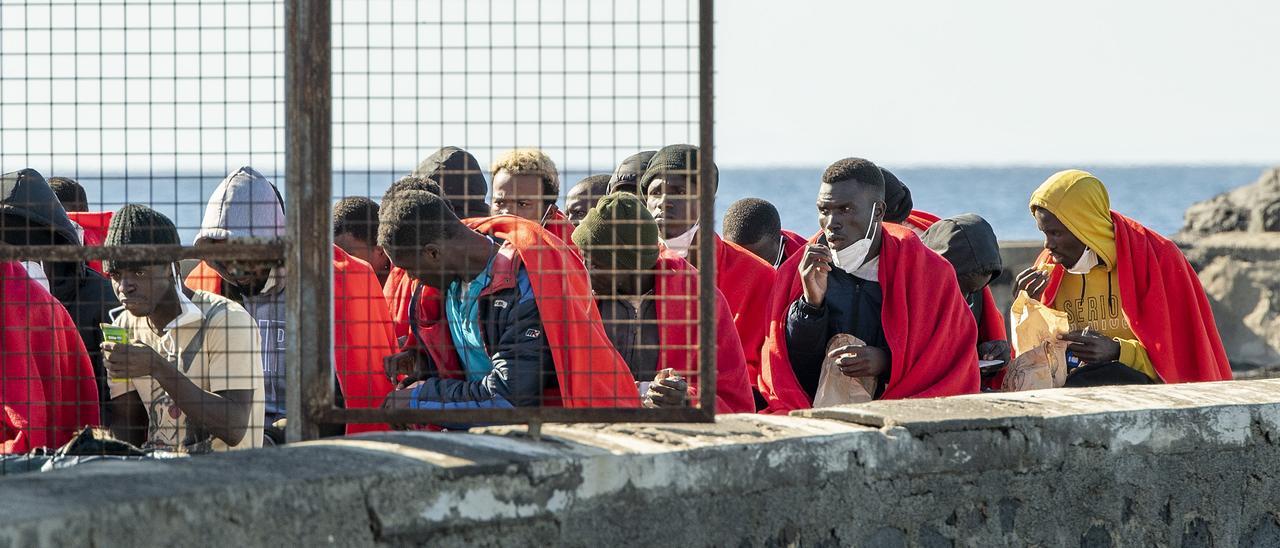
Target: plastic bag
point(834, 388)
point(1041, 360)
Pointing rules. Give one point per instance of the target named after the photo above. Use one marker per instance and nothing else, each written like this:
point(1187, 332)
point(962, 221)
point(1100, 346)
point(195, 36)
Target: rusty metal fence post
point(308, 185)
point(706, 207)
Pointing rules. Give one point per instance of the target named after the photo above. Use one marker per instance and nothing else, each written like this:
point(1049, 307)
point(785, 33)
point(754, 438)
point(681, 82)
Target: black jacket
point(516, 343)
point(852, 305)
point(30, 214)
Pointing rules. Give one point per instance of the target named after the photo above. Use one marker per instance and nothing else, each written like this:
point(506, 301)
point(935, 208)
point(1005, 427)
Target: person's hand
point(130, 361)
point(1031, 280)
point(400, 363)
point(667, 390)
point(856, 360)
point(1091, 346)
point(400, 399)
point(994, 350)
point(814, 268)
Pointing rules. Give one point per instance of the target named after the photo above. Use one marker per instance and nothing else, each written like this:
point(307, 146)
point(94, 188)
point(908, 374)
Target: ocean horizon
point(1155, 195)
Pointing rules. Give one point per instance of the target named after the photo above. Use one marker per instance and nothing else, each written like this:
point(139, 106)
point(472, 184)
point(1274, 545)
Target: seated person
point(247, 207)
point(31, 214)
point(518, 326)
point(969, 244)
point(626, 178)
point(670, 190)
point(874, 281)
point(649, 303)
point(355, 230)
point(47, 385)
point(527, 185)
point(754, 225)
point(1138, 313)
point(190, 380)
point(92, 225)
point(583, 196)
point(461, 180)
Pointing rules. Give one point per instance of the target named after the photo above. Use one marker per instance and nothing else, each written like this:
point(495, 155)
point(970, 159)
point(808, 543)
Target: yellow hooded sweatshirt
point(1079, 200)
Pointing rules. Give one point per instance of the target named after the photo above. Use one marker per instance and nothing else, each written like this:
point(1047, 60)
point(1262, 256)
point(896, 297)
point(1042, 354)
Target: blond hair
point(529, 161)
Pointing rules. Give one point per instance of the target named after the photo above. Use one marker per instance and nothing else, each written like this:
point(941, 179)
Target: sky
point(990, 82)
point(162, 87)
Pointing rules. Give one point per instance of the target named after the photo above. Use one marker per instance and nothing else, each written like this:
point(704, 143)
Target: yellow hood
point(1079, 200)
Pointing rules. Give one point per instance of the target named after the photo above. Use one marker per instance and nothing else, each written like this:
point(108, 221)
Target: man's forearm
point(224, 418)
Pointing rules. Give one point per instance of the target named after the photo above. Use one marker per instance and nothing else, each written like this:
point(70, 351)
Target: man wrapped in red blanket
point(874, 281)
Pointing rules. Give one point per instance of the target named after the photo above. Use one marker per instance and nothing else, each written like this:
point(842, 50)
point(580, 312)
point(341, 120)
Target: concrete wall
point(1190, 465)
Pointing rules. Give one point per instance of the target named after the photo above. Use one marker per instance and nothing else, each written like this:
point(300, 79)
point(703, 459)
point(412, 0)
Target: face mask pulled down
point(852, 257)
point(681, 244)
point(1087, 261)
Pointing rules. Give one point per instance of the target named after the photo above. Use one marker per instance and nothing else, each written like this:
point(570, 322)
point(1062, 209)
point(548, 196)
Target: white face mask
point(851, 258)
point(681, 244)
point(36, 272)
point(1087, 261)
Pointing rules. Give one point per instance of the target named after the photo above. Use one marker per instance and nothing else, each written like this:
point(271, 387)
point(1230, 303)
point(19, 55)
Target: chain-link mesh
point(147, 205)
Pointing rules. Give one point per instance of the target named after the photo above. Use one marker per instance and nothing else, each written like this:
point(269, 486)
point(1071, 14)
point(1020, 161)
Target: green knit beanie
point(136, 225)
point(619, 233)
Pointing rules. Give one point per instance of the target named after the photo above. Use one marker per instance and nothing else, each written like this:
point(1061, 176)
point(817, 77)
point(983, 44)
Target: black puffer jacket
point(30, 214)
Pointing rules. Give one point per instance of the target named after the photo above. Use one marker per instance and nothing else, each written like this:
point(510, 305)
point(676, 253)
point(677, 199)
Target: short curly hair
point(416, 218)
point(855, 170)
point(529, 161)
point(357, 216)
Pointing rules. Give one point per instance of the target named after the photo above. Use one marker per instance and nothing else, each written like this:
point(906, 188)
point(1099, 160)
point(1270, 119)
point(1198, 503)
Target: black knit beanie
point(675, 160)
point(139, 225)
point(897, 198)
point(627, 177)
point(619, 233)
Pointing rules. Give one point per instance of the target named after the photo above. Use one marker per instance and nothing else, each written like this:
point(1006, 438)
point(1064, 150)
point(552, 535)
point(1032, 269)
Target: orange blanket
point(95, 224)
point(590, 372)
point(930, 331)
point(362, 331)
point(677, 295)
point(47, 387)
point(746, 282)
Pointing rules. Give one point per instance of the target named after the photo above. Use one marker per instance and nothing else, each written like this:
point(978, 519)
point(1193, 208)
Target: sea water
point(1156, 195)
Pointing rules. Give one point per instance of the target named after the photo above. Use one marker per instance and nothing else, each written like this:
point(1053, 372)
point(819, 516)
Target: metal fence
point(153, 104)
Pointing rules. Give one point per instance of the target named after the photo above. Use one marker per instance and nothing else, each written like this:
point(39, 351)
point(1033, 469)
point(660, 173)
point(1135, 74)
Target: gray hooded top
point(245, 205)
point(967, 242)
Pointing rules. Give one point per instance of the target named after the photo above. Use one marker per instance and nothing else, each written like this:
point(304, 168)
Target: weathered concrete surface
point(1191, 465)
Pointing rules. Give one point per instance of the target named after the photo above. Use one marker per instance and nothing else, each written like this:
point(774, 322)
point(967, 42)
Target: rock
point(1251, 208)
point(1245, 297)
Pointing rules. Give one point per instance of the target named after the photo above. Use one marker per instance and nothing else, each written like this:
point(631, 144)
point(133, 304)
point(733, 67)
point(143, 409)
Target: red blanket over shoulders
point(746, 282)
point(677, 293)
point(589, 370)
point(95, 225)
point(993, 326)
point(1164, 302)
point(930, 332)
point(47, 387)
point(792, 244)
point(362, 331)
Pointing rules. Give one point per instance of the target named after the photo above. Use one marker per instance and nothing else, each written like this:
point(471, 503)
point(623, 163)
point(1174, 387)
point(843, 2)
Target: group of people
point(457, 291)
